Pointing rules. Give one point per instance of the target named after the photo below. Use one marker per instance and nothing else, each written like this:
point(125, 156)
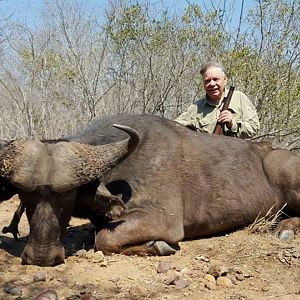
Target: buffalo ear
point(7, 190)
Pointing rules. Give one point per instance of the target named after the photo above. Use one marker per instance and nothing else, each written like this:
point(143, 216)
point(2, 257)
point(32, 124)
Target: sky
point(29, 10)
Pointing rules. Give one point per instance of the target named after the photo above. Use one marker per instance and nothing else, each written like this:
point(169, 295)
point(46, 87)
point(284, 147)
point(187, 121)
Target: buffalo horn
point(77, 164)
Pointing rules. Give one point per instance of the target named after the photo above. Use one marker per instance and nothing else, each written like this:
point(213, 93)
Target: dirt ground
point(241, 265)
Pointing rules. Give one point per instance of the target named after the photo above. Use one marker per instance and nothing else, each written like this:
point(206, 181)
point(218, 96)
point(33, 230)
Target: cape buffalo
point(177, 184)
point(49, 176)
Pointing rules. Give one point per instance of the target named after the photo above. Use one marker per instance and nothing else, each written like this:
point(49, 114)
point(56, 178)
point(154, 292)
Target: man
point(240, 119)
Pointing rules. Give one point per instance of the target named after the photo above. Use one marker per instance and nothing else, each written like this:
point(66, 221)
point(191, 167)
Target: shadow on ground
point(76, 238)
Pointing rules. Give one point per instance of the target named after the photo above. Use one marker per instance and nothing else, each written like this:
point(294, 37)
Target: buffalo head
point(47, 177)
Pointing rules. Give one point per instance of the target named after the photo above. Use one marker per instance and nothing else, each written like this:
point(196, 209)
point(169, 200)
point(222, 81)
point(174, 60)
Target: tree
point(141, 57)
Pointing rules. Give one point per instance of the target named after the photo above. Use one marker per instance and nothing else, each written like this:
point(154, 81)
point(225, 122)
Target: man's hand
point(226, 118)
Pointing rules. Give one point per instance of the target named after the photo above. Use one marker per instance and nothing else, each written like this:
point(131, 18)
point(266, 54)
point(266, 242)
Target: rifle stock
point(219, 129)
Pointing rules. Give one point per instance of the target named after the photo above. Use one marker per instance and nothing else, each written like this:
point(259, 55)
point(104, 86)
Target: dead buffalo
point(50, 177)
point(176, 184)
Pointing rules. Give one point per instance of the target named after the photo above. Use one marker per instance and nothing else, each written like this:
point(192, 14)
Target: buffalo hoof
point(162, 248)
point(42, 256)
point(286, 229)
point(286, 235)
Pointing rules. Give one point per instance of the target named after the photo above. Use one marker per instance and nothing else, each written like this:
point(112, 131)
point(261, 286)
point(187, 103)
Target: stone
point(224, 281)
point(13, 290)
point(202, 257)
point(98, 257)
point(265, 288)
point(170, 280)
point(232, 278)
point(239, 276)
point(87, 297)
point(217, 270)
point(91, 253)
point(164, 267)
point(210, 285)
point(14, 268)
point(40, 276)
point(210, 278)
point(48, 294)
point(81, 253)
point(181, 283)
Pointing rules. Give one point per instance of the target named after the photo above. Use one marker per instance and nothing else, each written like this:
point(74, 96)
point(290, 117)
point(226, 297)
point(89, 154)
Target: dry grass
point(267, 223)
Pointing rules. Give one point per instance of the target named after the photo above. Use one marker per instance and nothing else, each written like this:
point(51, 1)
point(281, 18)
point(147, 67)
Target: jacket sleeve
point(247, 123)
point(188, 118)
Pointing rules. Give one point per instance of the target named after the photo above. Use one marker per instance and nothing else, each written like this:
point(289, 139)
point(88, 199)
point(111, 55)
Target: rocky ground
point(241, 265)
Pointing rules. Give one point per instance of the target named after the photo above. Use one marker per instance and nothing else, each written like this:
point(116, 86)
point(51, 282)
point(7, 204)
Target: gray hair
point(213, 65)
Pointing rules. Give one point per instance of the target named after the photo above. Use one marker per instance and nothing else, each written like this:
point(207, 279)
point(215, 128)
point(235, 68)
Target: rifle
point(219, 129)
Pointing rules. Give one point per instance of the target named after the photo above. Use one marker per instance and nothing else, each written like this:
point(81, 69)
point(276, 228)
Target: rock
point(16, 261)
point(14, 268)
point(91, 253)
point(98, 257)
point(247, 274)
point(202, 257)
point(171, 280)
point(209, 278)
point(164, 267)
point(224, 281)
point(81, 253)
point(181, 283)
point(61, 267)
point(87, 297)
point(265, 288)
point(48, 294)
point(217, 270)
point(40, 276)
point(104, 263)
point(210, 285)
point(13, 290)
point(286, 235)
point(239, 276)
point(242, 274)
point(232, 278)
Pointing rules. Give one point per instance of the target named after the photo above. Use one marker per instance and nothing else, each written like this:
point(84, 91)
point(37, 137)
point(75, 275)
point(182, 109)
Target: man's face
point(214, 81)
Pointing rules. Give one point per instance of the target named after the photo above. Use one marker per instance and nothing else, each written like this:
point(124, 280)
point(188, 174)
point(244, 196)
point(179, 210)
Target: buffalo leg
point(141, 233)
point(13, 226)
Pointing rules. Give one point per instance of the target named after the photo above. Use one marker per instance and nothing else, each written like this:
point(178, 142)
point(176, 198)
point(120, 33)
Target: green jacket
point(203, 114)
